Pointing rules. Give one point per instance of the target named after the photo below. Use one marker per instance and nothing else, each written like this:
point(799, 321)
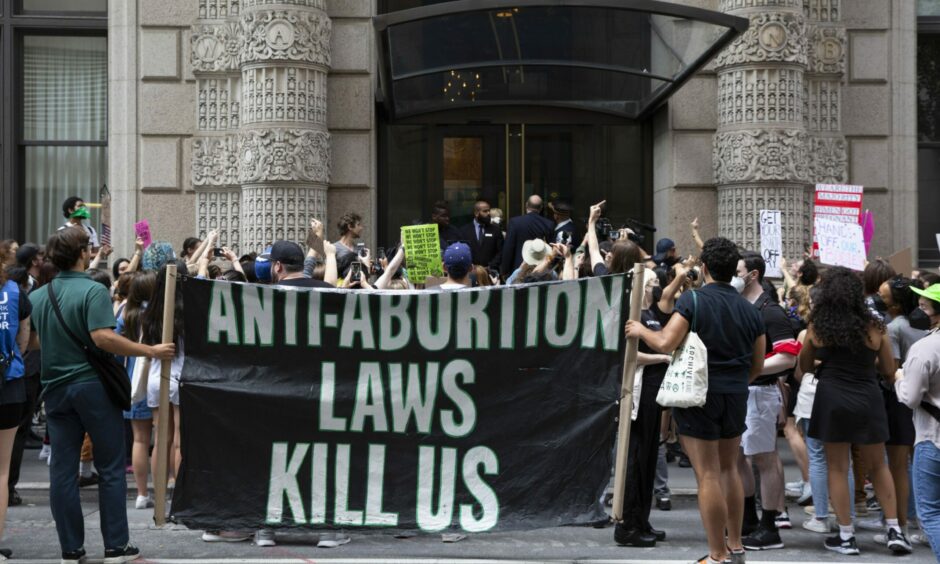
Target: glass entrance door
point(506, 163)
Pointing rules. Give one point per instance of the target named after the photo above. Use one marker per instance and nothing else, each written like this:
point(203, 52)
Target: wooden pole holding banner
point(626, 394)
point(163, 425)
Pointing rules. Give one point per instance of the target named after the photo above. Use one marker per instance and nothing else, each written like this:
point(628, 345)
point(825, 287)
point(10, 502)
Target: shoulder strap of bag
point(694, 312)
point(58, 314)
point(931, 409)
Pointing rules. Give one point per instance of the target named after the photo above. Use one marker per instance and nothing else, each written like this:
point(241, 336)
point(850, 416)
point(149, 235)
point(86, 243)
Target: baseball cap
point(458, 255)
point(663, 246)
point(562, 206)
point(931, 293)
point(286, 252)
point(26, 253)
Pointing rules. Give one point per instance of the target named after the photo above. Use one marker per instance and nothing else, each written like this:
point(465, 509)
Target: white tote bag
point(686, 380)
point(805, 397)
point(139, 379)
point(637, 390)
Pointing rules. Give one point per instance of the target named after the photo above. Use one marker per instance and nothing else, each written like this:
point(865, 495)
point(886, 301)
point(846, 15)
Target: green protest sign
point(422, 252)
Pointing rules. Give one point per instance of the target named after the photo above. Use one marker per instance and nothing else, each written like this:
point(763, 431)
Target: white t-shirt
point(92, 234)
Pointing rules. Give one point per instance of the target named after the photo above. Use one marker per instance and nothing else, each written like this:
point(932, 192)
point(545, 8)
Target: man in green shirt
point(76, 401)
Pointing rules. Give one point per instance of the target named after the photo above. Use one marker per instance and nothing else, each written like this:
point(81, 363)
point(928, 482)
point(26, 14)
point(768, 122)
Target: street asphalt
point(31, 535)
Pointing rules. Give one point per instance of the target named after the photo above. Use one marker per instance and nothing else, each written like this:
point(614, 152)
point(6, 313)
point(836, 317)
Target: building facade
point(253, 116)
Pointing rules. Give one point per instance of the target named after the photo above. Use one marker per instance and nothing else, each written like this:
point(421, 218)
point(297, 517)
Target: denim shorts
point(138, 411)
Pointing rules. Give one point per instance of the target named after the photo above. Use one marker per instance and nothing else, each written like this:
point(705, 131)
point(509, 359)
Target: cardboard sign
point(840, 243)
point(422, 252)
point(836, 202)
point(142, 230)
point(771, 241)
point(902, 261)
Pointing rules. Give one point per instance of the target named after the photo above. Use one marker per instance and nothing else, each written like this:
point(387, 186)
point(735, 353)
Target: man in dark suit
point(565, 229)
point(447, 233)
point(485, 239)
point(524, 228)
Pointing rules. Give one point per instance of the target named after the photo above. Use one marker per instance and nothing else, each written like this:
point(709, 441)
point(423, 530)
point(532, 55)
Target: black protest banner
point(483, 409)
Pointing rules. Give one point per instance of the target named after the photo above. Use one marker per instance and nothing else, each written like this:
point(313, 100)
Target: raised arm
point(695, 234)
point(203, 248)
point(134, 263)
point(594, 248)
point(393, 266)
point(665, 341)
point(668, 302)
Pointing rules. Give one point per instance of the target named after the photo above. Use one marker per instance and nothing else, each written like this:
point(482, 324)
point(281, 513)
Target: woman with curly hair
point(853, 347)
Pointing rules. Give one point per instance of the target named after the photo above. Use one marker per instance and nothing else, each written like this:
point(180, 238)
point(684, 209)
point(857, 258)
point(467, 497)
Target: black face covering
point(919, 320)
point(670, 261)
point(485, 220)
point(657, 294)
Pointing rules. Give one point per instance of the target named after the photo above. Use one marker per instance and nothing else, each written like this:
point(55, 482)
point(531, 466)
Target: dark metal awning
point(620, 57)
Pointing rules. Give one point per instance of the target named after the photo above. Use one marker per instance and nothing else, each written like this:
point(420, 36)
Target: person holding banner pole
point(734, 335)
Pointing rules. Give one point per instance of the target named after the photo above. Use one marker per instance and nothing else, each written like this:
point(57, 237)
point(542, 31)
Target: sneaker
point(806, 497)
point(45, 452)
point(225, 536)
point(795, 488)
point(762, 539)
point(783, 521)
point(707, 559)
point(143, 502)
point(85, 481)
point(14, 501)
point(663, 503)
point(872, 524)
point(836, 544)
point(861, 509)
point(737, 557)
point(332, 540)
point(121, 555)
point(920, 539)
point(264, 537)
point(816, 525)
point(74, 557)
point(872, 504)
point(898, 543)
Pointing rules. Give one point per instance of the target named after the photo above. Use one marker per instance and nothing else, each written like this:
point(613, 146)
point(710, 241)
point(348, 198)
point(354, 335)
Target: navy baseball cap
point(663, 246)
point(458, 256)
point(286, 252)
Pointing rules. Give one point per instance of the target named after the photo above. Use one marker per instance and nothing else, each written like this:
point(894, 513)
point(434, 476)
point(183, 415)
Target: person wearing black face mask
point(485, 240)
point(666, 253)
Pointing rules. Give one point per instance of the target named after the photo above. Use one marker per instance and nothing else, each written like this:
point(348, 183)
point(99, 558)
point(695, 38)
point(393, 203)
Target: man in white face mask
point(764, 410)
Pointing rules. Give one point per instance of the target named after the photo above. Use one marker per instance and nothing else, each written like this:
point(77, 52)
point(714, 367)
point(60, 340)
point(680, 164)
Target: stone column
point(265, 166)
point(761, 146)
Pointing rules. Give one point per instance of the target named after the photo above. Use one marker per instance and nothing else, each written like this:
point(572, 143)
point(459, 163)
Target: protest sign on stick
point(163, 425)
point(840, 243)
point(771, 242)
point(626, 394)
point(422, 251)
point(902, 261)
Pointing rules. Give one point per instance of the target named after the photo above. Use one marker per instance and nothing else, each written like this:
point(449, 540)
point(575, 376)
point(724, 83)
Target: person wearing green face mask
point(75, 212)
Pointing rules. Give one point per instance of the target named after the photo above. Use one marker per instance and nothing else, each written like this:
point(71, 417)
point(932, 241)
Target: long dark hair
point(141, 290)
point(151, 320)
point(840, 317)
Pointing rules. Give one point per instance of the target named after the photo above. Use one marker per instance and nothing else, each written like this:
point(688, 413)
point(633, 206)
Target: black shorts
point(12, 414)
point(722, 417)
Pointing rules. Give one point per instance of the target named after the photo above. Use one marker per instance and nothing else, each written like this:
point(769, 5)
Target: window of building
point(928, 130)
point(53, 122)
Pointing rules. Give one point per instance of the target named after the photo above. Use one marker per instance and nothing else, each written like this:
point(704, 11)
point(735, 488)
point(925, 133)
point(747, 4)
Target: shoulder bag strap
point(694, 312)
point(930, 408)
point(58, 314)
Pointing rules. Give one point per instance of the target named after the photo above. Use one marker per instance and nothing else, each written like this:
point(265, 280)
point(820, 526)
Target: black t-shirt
point(728, 325)
point(653, 374)
point(305, 283)
point(778, 328)
point(600, 269)
point(26, 306)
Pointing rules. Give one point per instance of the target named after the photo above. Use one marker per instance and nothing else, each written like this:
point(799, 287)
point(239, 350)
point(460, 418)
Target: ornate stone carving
point(284, 94)
point(282, 35)
point(735, 5)
point(217, 9)
point(827, 50)
point(218, 105)
point(771, 37)
point(215, 161)
point(317, 4)
point(216, 47)
point(739, 213)
point(219, 210)
point(271, 213)
point(758, 155)
point(284, 154)
point(823, 100)
point(828, 160)
point(765, 96)
point(823, 10)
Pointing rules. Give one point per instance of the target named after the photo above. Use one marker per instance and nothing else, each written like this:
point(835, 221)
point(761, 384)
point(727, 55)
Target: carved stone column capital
point(285, 35)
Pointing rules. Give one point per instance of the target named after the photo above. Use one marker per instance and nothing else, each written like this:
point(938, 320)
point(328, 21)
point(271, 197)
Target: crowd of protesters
point(845, 366)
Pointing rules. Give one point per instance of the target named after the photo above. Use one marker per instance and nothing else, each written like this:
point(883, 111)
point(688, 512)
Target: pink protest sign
point(867, 221)
point(142, 230)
